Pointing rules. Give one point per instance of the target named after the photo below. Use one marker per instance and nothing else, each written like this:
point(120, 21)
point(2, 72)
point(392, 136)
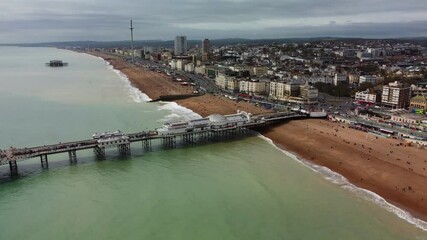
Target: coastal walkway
point(99, 143)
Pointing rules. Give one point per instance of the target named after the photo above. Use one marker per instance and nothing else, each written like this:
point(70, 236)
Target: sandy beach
point(155, 84)
point(384, 166)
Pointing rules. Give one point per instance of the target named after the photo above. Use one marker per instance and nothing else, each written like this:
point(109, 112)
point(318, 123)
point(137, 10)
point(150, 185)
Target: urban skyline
point(165, 19)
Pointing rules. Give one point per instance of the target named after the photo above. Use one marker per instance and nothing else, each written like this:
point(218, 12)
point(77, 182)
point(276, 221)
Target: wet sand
point(397, 173)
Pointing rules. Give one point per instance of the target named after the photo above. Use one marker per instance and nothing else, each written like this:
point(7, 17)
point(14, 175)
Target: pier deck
point(12, 155)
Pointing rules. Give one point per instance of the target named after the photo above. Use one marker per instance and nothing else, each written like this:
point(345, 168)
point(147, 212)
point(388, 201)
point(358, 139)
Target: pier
point(56, 63)
point(213, 128)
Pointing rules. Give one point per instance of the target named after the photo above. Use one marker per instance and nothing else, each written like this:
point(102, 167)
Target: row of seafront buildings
point(253, 80)
point(274, 89)
point(396, 95)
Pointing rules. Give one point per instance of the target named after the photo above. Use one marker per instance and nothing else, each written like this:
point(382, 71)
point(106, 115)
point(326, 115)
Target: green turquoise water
point(243, 189)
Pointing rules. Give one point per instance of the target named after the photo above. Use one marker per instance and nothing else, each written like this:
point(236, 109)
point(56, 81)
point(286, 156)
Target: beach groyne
point(175, 97)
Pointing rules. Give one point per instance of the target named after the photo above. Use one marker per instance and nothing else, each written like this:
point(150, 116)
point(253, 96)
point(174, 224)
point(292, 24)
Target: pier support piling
point(239, 131)
point(73, 156)
point(99, 152)
point(13, 167)
point(188, 138)
point(212, 136)
point(146, 144)
point(44, 162)
point(169, 141)
point(124, 149)
point(203, 136)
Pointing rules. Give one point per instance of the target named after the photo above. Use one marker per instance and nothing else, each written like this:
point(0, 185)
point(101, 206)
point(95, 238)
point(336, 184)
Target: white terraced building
point(255, 87)
point(277, 90)
point(221, 80)
point(366, 96)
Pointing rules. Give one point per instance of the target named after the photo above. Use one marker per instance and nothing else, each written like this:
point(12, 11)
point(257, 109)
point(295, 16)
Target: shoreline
point(340, 180)
point(379, 177)
point(363, 160)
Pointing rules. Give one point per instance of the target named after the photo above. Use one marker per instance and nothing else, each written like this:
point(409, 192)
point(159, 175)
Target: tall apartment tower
point(180, 45)
point(205, 46)
point(396, 95)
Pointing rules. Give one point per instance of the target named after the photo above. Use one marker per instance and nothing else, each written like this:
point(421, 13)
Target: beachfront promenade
point(213, 128)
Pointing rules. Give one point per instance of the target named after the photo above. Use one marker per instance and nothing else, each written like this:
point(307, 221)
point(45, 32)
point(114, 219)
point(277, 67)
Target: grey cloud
point(366, 29)
point(46, 20)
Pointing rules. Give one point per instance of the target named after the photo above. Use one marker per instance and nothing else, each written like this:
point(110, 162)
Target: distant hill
point(192, 43)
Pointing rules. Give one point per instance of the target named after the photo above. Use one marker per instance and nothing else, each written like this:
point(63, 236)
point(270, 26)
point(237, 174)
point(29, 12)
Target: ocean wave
point(340, 180)
point(177, 112)
point(135, 93)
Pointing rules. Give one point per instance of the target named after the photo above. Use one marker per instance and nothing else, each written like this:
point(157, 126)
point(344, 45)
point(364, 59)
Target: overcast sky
point(68, 20)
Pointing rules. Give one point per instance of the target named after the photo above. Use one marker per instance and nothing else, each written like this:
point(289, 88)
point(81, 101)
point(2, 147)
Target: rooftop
point(420, 98)
point(413, 116)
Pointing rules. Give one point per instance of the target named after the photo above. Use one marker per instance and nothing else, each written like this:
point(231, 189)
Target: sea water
point(245, 189)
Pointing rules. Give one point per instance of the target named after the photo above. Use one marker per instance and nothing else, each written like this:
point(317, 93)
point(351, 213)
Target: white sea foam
point(178, 112)
point(340, 180)
point(135, 93)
